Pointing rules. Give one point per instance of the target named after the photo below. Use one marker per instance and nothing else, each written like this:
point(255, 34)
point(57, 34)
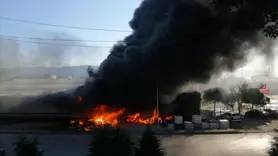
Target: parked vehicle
point(257, 114)
point(226, 116)
point(232, 116)
point(236, 117)
point(272, 113)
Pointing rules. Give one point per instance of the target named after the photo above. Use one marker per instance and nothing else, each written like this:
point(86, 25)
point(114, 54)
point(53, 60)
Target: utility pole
point(157, 105)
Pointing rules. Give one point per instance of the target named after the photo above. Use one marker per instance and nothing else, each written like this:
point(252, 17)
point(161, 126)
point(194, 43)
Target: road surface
point(177, 145)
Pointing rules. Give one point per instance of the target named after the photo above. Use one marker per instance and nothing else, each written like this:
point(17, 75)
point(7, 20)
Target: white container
point(213, 126)
point(178, 120)
point(205, 125)
point(188, 125)
point(224, 124)
point(170, 127)
point(196, 119)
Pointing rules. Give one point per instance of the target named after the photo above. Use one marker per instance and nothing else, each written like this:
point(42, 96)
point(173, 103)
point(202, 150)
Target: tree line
point(239, 94)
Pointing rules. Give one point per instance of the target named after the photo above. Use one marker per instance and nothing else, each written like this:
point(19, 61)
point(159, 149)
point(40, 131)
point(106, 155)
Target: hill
point(42, 72)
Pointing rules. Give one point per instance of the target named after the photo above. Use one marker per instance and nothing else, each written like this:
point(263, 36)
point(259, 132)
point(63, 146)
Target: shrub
point(149, 145)
point(273, 151)
point(27, 147)
point(2, 152)
point(107, 142)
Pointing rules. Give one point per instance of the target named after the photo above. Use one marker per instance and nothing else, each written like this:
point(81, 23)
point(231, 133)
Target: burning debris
point(101, 116)
point(138, 118)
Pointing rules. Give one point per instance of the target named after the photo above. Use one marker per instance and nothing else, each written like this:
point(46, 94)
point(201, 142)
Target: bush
point(107, 142)
point(27, 147)
point(2, 152)
point(273, 151)
point(149, 145)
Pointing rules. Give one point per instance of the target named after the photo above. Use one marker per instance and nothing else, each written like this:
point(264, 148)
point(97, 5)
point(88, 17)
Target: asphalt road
point(177, 145)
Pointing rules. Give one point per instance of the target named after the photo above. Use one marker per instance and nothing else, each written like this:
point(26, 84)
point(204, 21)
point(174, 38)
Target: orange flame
point(168, 117)
point(137, 118)
point(103, 116)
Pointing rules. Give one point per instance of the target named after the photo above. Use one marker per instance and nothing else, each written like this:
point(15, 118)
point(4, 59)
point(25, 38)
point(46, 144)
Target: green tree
point(267, 100)
point(27, 147)
point(230, 99)
point(107, 142)
point(237, 93)
point(273, 150)
point(254, 96)
point(149, 145)
point(214, 95)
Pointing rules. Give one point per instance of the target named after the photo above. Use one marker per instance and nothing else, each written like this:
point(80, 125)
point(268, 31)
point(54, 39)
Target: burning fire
point(169, 118)
point(101, 116)
point(137, 118)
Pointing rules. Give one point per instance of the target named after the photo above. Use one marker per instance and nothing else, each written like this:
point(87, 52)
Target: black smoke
point(175, 42)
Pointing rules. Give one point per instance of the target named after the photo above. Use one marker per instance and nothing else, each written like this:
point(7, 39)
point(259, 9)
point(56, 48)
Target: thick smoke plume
point(175, 42)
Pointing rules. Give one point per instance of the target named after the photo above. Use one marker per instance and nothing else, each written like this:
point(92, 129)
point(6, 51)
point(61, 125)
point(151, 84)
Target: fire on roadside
point(138, 118)
point(101, 116)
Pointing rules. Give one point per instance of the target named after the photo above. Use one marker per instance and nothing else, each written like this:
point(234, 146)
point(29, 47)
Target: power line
point(53, 39)
point(62, 26)
point(54, 44)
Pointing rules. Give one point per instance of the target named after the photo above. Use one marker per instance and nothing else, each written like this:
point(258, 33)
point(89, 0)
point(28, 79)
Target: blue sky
point(104, 14)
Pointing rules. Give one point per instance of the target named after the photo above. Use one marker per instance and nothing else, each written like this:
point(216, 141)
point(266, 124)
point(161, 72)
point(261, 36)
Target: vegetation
point(149, 145)
point(213, 95)
point(254, 96)
point(239, 94)
point(230, 99)
point(2, 152)
point(273, 150)
point(187, 104)
point(107, 142)
point(27, 147)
